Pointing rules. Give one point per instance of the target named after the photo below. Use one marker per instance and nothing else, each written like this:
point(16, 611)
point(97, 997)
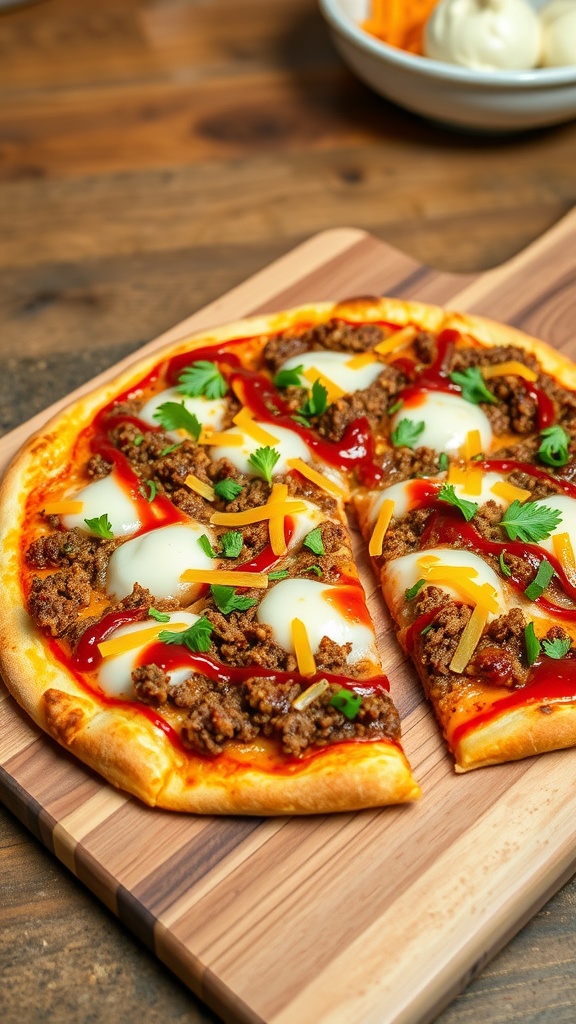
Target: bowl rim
point(429, 68)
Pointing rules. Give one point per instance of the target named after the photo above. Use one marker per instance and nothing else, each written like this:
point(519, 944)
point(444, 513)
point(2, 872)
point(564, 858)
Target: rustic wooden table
point(154, 153)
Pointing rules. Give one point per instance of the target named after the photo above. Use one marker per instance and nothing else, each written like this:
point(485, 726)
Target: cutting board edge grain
point(330, 266)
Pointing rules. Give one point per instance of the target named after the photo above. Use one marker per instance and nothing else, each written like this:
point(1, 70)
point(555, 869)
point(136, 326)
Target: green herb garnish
point(557, 648)
point(159, 616)
point(227, 489)
point(170, 448)
point(448, 493)
point(530, 522)
point(473, 386)
point(407, 433)
point(101, 526)
point(411, 592)
point(175, 416)
point(204, 542)
point(289, 378)
point(227, 600)
point(137, 440)
point(280, 574)
point(443, 461)
point(263, 461)
point(532, 643)
point(202, 378)
point(148, 490)
point(195, 638)
point(231, 544)
point(395, 407)
point(316, 569)
point(540, 581)
point(554, 448)
point(313, 541)
point(504, 568)
point(314, 405)
point(347, 702)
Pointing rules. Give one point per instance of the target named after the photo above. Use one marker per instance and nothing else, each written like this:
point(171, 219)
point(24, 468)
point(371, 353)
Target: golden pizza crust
point(125, 746)
point(517, 733)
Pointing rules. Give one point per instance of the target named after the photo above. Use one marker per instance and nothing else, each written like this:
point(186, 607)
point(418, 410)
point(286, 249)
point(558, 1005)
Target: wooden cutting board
point(381, 916)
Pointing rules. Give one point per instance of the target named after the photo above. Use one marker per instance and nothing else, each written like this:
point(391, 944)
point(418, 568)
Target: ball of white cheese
point(490, 35)
point(558, 21)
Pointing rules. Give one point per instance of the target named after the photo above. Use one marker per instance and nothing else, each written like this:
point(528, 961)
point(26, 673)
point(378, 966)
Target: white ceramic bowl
point(493, 101)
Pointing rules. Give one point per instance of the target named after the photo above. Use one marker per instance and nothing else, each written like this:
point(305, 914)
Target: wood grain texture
point(454, 875)
point(153, 154)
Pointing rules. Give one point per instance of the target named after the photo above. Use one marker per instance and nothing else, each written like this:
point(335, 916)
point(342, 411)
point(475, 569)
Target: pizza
point(181, 608)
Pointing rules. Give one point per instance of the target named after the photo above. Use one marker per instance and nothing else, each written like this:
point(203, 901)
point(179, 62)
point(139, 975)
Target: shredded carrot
point(400, 22)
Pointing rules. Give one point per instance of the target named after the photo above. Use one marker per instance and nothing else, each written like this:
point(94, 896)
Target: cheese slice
point(447, 419)
point(402, 573)
point(306, 600)
point(114, 673)
point(210, 412)
point(334, 366)
point(288, 443)
point(105, 496)
point(156, 560)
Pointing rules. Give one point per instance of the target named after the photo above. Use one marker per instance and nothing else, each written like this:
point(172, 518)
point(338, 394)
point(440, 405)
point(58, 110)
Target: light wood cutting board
point(368, 918)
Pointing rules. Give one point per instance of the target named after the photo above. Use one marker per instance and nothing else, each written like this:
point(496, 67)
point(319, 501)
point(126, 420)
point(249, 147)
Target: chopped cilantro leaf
point(448, 493)
point(170, 448)
point(101, 526)
point(227, 600)
point(195, 638)
point(530, 522)
point(159, 616)
point(204, 542)
point(557, 648)
point(279, 574)
point(316, 569)
point(263, 461)
point(473, 386)
point(443, 461)
point(503, 567)
point(137, 440)
point(347, 702)
point(289, 378)
point(411, 592)
point(227, 489)
point(175, 416)
point(316, 403)
point(532, 643)
point(313, 541)
point(231, 543)
point(395, 407)
point(554, 448)
point(540, 581)
point(202, 378)
point(407, 433)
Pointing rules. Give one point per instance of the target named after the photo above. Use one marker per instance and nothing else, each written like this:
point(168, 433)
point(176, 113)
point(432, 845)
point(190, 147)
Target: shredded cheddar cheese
point(278, 495)
point(382, 523)
point(456, 474)
point(333, 389)
point(469, 640)
point(564, 552)
point(309, 695)
point(472, 445)
point(460, 578)
point(245, 421)
point(318, 478)
point(257, 515)
point(226, 578)
point(204, 490)
point(302, 648)
point(63, 508)
point(512, 367)
point(360, 360)
point(473, 482)
point(509, 492)
point(399, 339)
point(130, 641)
point(221, 438)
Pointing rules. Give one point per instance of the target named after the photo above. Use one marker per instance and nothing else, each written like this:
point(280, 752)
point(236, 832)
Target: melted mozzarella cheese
point(290, 445)
point(405, 496)
point(308, 600)
point(157, 559)
point(115, 673)
point(402, 573)
point(566, 506)
point(108, 497)
point(210, 412)
point(447, 419)
point(333, 366)
point(304, 522)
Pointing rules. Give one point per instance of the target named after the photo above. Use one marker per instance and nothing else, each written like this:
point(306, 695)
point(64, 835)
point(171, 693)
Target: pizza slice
point(180, 606)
